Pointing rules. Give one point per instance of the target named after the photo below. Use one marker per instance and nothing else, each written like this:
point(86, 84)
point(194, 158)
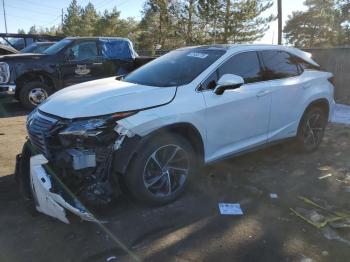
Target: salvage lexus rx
point(151, 129)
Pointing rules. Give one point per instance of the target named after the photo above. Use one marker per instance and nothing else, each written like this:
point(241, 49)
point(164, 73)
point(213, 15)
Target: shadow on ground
point(10, 107)
point(191, 228)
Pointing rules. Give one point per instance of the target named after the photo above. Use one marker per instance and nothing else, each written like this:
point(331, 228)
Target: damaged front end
point(71, 160)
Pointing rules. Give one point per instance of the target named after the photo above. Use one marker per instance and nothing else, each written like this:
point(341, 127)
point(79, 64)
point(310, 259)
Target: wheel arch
point(34, 76)
point(322, 103)
point(188, 132)
point(124, 156)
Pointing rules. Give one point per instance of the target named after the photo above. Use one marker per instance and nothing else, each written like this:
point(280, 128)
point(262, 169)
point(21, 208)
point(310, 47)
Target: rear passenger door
point(282, 73)
point(238, 119)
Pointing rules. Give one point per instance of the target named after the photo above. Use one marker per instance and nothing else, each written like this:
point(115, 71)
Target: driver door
point(82, 63)
point(238, 119)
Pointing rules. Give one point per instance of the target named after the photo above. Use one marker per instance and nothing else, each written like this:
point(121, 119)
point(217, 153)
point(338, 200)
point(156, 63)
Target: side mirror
point(228, 81)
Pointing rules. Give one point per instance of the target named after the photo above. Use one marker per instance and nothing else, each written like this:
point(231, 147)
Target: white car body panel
point(103, 97)
point(245, 112)
point(47, 202)
point(253, 114)
point(237, 120)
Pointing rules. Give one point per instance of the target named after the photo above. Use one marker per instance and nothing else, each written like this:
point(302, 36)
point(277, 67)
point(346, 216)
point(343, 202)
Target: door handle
point(97, 63)
point(263, 93)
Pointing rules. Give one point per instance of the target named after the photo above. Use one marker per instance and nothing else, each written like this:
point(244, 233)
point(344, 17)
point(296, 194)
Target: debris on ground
point(111, 258)
point(324, 217)
point(347, 189)
point(230, 209)
point(331, 234)
point(325, 176)
point(319, 216)
point(273, 195)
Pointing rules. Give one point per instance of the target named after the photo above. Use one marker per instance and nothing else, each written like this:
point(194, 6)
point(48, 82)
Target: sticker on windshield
point(197, 55)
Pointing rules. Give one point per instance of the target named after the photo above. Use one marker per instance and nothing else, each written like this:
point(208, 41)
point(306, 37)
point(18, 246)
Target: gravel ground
point(191, 229)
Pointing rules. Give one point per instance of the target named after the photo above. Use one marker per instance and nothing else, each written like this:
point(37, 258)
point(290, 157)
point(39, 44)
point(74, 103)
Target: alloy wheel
point(313, 130)
point(166, 170)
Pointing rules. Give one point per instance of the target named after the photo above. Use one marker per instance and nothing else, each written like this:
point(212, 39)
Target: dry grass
point(12, 137)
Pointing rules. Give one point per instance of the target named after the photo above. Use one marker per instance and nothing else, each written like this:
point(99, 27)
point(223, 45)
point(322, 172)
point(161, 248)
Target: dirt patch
point(191, 228)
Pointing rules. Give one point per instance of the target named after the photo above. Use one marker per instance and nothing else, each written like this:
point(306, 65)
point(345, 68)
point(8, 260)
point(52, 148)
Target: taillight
point(332, 80)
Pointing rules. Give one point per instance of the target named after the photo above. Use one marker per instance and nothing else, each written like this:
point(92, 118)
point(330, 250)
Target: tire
point(311, 129)
point(33, 93)
point(148, 181)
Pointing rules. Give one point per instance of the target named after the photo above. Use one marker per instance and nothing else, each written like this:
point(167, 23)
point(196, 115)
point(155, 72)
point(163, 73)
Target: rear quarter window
point(279, 65)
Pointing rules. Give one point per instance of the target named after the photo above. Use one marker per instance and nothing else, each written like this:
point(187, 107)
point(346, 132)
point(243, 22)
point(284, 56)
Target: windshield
point(176, 68)
point(55, 48)
point(36, 48)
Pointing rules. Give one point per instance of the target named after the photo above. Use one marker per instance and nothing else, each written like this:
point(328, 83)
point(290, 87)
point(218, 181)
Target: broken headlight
point(95, 126)
point(85, 128)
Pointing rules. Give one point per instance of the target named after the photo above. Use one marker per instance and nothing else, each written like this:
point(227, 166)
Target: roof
point(232, 48)
point(96, 37)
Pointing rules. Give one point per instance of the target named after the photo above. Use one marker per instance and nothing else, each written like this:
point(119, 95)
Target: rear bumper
point(46, 199)
point(7, 89)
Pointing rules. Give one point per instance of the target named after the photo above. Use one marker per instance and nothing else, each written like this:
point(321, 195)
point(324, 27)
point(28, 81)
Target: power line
point(29, 10)
point(108, 2)
point(102, 3)
point(40, 4)
point(24, 18)
point(59, 16)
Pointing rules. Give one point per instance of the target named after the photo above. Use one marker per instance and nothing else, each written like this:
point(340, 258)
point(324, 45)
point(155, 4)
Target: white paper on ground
point(341, 114)
point(230, 209)
point(273, 195)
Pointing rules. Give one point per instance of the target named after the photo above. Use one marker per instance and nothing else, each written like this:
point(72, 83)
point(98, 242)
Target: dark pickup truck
point(33, 77)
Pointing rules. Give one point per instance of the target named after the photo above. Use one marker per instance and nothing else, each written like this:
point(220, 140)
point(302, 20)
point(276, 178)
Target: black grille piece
point(38, 127)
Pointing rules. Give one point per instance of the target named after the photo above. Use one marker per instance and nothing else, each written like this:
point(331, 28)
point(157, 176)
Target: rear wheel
point(159, 173)
point(33, 93)
point(311, 129)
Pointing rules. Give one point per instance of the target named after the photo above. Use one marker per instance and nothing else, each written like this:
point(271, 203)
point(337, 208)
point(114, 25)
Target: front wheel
point(311, 129)
point(159, 173)
point(33, 93)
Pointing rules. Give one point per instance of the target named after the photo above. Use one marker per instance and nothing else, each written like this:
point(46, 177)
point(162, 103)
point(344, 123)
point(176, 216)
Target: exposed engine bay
point(81, 152)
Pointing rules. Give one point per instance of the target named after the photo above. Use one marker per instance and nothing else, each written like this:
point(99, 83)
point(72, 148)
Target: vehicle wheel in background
point(33, 93)
point(311, 129)
point(159, 173)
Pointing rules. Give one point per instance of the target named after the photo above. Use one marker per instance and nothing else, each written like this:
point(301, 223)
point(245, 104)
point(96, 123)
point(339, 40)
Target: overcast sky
point(25, 13)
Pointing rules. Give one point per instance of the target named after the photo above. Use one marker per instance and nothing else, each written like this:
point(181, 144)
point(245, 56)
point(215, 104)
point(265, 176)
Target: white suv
point(152, 128)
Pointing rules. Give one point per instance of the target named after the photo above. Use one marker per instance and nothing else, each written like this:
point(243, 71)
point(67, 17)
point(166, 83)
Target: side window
point(210, 82)
point(278, 65)
point(83, 50)
point(246, 65)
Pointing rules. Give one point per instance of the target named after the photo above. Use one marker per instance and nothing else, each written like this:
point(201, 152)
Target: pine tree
point(72, 23)
point(89, 18)
point(323, 24)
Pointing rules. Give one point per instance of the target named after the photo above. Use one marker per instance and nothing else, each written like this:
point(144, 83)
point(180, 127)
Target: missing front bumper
point(46, 200)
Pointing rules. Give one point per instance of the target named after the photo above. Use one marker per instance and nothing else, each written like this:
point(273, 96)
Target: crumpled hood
point(103, 97)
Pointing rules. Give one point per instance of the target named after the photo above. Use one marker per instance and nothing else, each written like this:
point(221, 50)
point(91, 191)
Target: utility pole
point(279, 16)
point(3, 7)
point(62, 18)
